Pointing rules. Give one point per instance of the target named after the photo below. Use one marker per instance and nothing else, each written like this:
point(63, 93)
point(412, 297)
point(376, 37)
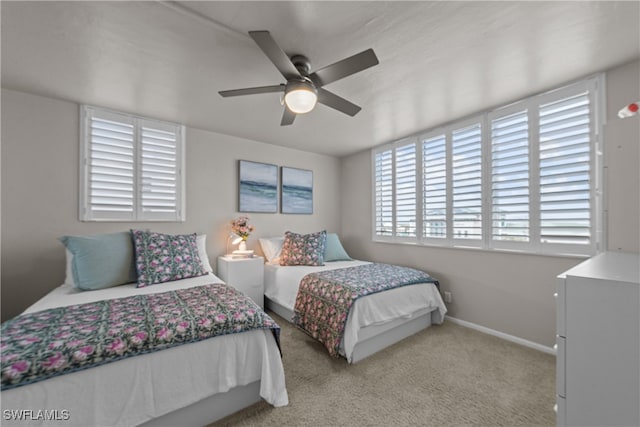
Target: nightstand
point(244, 274)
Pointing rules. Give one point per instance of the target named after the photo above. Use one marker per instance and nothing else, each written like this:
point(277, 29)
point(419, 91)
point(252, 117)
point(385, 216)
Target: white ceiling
point(439, 61)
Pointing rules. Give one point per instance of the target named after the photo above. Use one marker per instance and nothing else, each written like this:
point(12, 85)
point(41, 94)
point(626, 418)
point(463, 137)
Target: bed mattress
point(141, 388)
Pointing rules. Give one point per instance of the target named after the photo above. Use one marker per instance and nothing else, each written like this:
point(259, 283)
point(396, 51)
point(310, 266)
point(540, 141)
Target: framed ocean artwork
point(258, 187)
point(297, 191)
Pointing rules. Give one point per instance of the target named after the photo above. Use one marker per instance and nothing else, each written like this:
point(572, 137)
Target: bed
point(191, 384)
point(374, 322)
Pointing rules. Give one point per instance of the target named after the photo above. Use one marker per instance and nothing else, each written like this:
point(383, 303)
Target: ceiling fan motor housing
point(302, 64)
point(300, 84)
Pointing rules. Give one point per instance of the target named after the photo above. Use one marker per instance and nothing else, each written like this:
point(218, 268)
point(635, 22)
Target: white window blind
point(466, 176)
point(510, 177)
point(405, 194)
point(434, 176)
point(383, 165)
point(131, 168)
point(565, 163)
point(111, 163)
point(160, 172)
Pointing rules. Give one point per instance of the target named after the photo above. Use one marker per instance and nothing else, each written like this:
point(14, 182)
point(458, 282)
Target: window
point(565, 166)
point(523, 177)
point(131, 167)
point(466, 182)
point(434, 184)
point(395, 191)
point(510, 195)
point(384, 193)
point(405, 194)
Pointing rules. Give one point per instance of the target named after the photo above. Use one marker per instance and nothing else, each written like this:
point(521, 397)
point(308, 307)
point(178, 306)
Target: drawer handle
point(555, 295)
point(555, 347)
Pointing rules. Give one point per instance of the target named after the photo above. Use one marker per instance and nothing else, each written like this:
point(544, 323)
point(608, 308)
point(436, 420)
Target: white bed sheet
point(282, 282)
point(137, 389)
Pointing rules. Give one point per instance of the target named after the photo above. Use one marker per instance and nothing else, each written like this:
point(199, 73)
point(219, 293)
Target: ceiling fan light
point(300, 97)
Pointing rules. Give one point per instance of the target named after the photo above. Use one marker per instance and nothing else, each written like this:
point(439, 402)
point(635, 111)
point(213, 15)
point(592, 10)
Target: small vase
point(242, 246)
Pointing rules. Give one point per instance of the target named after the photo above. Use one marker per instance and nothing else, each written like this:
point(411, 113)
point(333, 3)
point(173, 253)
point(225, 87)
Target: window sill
point(489, 250)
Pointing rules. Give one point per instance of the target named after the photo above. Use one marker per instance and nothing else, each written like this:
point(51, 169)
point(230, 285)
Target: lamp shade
point(236, 239)
point(300, 96)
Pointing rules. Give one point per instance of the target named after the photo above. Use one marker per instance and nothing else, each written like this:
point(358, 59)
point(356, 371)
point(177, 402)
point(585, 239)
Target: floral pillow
point(163, 257)
point(303, 249)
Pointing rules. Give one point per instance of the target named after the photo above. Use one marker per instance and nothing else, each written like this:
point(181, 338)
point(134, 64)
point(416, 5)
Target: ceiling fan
point(304, 89)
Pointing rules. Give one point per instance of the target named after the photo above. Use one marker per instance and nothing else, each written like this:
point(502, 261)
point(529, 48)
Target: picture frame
point(296, 193)
point(257, 187)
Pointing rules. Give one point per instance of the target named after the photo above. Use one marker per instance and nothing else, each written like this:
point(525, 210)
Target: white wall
point(511, 293)
point(40, 149)
point(622, 160)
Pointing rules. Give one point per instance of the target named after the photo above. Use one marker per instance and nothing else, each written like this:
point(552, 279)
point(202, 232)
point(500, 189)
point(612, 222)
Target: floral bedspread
point(324, 298)
point(57, 341)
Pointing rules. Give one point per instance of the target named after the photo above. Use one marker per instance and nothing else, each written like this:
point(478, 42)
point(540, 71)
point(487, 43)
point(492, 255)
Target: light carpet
point(446, 375)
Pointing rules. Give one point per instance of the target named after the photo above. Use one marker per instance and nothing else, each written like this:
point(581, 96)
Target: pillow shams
point(99, 261)
point(162, 257)
point(307, 249)
point(334, 251)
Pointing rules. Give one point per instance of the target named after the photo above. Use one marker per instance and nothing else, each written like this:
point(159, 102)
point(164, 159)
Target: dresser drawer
point(561, 307)
point(560, 366)
point(561, 411)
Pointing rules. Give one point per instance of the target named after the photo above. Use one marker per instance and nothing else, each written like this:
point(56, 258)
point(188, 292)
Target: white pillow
point(201, 240)
point(271, 247)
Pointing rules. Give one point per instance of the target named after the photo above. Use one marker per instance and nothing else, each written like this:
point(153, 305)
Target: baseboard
point(512, 338)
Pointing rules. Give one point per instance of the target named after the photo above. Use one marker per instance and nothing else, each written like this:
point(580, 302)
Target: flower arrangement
point(241, 227)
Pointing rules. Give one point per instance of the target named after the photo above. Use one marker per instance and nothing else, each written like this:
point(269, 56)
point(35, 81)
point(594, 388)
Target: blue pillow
point(333, 250)
point(101, 261)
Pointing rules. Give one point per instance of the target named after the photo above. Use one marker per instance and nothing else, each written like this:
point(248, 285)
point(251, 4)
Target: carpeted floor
point(446, 375)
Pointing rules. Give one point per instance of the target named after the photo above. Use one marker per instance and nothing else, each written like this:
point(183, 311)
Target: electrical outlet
point(447, 297)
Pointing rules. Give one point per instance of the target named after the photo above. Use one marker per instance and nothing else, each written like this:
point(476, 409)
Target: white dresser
point(598, 342)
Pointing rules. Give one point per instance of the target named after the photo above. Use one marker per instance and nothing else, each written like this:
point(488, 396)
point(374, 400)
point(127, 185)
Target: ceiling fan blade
point(287, 117)
point(270, 48)
point(251, 90)
point(334, 101)
point(346, 67)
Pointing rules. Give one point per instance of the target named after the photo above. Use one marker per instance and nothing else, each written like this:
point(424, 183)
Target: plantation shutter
point(405, 194)
point(466, 173)
point(131, 168)
point(434, 176)
point(110, 162)
point(383, 164)
point(510, 177)
point(160, 170)
point(565, 205)
point(523, 177)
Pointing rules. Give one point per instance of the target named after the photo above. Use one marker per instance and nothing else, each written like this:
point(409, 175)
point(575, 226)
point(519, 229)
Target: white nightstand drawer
point(256, 293)
point(244, 274)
